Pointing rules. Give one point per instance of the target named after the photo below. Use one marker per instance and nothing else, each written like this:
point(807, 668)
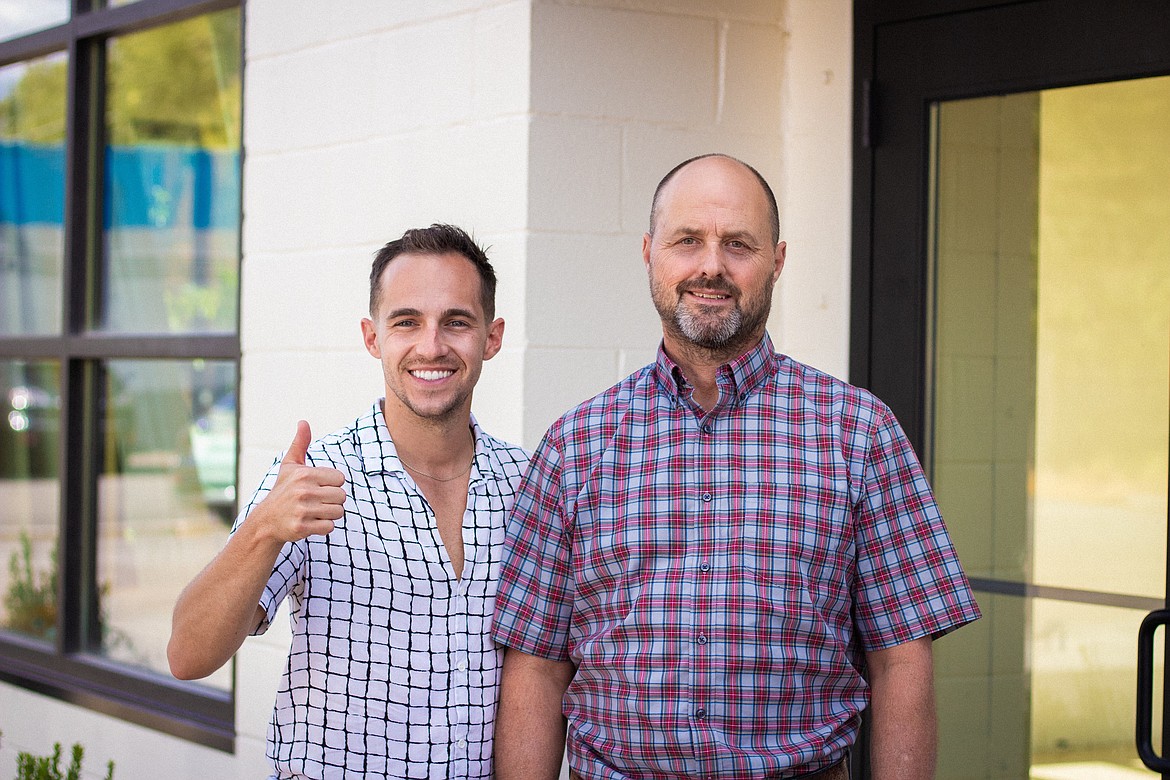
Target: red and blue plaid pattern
point(716, 577)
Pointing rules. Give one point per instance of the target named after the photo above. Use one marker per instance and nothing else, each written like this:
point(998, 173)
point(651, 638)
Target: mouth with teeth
point(431, 375)
point(709, 296)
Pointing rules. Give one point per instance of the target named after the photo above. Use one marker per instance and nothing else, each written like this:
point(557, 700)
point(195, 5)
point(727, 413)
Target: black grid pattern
point(392, 670)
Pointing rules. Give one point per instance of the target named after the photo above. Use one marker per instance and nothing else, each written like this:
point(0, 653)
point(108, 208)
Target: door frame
point(909, 54)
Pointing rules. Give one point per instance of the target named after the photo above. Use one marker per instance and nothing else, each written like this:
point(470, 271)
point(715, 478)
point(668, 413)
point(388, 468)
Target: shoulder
point(603, 412)
point(509, 459)
point(335, 448)
point(827, 395)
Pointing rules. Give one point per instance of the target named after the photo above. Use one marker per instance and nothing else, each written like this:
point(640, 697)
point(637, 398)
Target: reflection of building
point(542, 126)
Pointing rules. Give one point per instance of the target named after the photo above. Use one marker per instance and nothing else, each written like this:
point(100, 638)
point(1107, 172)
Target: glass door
point(1047, 413)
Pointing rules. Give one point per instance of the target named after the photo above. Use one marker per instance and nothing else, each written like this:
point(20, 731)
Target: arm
point(902, 713)
point(530, 727)
point(221, 606)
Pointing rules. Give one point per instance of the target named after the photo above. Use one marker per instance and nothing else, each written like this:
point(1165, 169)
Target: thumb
point(300, 443)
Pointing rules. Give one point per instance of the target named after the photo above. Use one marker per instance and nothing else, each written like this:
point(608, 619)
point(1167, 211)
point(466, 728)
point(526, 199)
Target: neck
point(439, 446)
point(700, 365)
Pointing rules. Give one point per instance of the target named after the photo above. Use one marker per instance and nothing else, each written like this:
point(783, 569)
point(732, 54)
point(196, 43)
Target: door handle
point(1145, 691)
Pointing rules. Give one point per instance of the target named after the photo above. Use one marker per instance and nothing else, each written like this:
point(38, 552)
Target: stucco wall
point(543, 128)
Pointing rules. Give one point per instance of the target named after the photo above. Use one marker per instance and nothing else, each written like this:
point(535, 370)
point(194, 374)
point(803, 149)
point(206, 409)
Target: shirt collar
point(739, 377)
point(379, 454)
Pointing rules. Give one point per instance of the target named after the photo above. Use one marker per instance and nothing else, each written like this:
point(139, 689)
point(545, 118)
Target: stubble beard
point(706, 328)
point(430, 414)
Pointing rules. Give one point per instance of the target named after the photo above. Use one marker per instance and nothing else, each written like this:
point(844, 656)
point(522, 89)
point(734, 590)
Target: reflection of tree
point(35, 109)
point(179, 83)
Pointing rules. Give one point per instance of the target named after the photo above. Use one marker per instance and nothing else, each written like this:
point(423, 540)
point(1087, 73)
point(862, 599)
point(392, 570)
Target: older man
point(713, 567)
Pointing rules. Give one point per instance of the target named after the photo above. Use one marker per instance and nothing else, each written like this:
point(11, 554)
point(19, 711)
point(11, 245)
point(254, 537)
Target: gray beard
point(706, 334)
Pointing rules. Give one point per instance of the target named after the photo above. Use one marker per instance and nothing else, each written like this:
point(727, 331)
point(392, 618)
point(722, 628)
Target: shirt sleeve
point(289, 567)
point(534, 600)
point(909, 581)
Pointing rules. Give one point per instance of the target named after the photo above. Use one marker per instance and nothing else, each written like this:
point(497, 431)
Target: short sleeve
point(909, 581)
point(534, 599)
point(287, 571)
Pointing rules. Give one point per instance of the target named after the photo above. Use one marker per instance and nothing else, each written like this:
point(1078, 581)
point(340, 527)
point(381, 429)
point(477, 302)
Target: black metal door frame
point(909, 54)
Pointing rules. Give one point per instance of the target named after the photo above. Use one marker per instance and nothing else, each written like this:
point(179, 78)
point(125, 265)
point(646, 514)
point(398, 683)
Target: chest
point(750, 491)
point(395, 539)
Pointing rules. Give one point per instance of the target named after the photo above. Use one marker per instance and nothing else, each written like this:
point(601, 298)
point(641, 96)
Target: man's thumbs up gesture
point(305, 499)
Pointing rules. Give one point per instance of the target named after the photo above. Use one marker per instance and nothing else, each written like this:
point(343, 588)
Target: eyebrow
point(447, 313)
point(730, 235)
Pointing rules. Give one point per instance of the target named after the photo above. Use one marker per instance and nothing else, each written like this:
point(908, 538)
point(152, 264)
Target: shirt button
point(704, 566)
point(707, 497)
point(462, 665)
point(701, 713)
point(702, 639)
point(706, 428)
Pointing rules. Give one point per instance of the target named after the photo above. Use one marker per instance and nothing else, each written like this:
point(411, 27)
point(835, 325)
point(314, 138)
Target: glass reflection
point(1050, 351)
point(21, 17)
point(166, 496)
point(173, 178)
point(1044, 692)
point(30, 394)
point(32, 195)
point(1101, 435)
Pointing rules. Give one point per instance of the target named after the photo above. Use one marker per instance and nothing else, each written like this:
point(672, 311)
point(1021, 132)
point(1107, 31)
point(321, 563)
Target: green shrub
point(30, 767)
point(31, 600)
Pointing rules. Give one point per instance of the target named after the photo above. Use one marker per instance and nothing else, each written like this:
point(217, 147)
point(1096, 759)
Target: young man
point(713, 567)
point(386, 537)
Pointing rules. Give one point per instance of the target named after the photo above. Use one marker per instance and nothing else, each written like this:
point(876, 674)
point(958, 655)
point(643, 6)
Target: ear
point(646, 242)
point(781, 253)
point(495, 339)
point(370, 337)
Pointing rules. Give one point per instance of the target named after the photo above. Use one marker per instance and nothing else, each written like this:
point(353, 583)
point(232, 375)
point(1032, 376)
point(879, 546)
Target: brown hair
point(438, 239)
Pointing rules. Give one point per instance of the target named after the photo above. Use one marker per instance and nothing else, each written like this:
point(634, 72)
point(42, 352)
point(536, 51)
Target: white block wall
point(542, 127)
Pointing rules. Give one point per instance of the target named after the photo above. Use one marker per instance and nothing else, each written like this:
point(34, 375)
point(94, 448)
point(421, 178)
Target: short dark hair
point(438, 239)
point(773, 210)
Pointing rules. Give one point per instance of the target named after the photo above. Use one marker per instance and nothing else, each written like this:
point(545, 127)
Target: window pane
point(173, 179)
point(21, 17)
point(30, 394)
point(166, 495)
point(32, 195)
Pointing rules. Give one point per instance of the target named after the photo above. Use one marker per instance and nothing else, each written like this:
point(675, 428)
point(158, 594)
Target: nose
point(711, 261)
point(430, 342)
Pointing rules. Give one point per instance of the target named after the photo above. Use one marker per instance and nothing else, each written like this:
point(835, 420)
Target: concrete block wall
point(359, 125)
point(811, 317)
point(541, 126)
point(621, 92)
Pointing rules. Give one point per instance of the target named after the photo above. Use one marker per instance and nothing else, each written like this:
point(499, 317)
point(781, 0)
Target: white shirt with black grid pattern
point(392, 671)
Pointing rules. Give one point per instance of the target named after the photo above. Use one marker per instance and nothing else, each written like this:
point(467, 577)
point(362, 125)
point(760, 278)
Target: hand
point(305, 499)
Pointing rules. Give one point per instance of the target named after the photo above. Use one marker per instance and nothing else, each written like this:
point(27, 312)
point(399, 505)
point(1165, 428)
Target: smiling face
point(432, 335)
point(711, 259)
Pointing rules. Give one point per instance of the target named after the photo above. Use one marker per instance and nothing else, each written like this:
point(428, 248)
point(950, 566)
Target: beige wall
point(543, 128)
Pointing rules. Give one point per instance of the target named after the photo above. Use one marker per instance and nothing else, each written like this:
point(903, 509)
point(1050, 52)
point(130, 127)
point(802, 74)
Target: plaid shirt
point(392, 672)
point(716, 577)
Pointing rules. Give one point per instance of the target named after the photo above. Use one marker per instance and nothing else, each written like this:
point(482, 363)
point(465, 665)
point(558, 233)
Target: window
point(119, 345)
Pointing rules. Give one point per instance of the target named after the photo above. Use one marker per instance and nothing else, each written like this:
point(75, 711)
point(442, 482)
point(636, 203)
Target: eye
point(689, 241)
point(737, 244)
point(402, 324)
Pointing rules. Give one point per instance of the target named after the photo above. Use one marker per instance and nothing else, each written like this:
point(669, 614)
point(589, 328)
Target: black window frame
point(67, 671)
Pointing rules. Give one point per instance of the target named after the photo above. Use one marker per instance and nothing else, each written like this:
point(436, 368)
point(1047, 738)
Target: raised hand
point(306, 500)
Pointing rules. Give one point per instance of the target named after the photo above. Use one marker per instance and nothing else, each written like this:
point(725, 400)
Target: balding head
point(769, 196)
